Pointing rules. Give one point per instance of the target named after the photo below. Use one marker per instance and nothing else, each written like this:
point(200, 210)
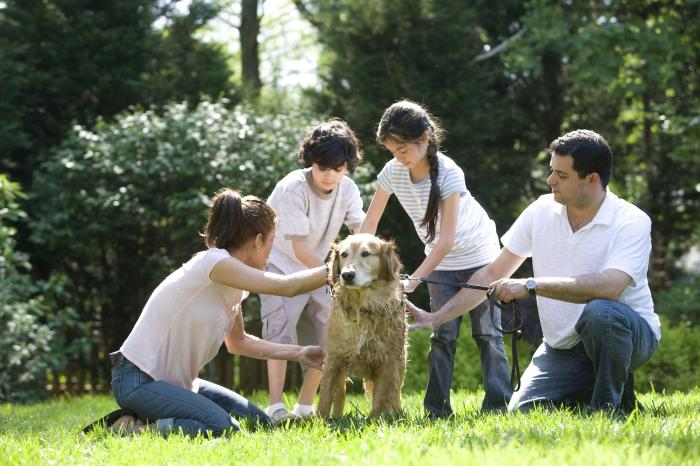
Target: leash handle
point(515, 333)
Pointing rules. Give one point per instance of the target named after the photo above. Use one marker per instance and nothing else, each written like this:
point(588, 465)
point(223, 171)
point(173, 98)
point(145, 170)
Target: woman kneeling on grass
point(194, 310)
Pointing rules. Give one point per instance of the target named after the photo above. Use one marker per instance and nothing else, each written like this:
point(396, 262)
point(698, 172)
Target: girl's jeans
point(443, 344)
point(173, 408)
point(615, 340)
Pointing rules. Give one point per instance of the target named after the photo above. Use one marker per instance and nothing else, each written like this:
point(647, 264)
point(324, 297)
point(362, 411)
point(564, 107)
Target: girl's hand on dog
point(410, 285)
point(312, 356)
point(421, 319)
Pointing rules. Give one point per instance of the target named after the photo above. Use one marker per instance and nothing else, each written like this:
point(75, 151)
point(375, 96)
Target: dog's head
point(360, 260)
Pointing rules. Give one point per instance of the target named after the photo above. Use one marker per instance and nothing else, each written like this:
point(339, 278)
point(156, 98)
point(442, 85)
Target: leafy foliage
point(31, 325)
point(68, 60)
point(628, 70)
point(379, 51)
point(680, 303)
point(23, 339)
point(121, 206)
point(674, 366)
point(508, 77)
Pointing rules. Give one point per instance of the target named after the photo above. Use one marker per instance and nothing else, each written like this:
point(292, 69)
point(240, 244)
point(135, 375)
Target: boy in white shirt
point(312, 203)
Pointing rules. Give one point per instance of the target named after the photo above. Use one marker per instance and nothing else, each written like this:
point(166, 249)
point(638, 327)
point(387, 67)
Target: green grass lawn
point(667, 432)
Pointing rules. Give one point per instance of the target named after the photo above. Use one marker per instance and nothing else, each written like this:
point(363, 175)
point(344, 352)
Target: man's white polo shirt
point(618, 237)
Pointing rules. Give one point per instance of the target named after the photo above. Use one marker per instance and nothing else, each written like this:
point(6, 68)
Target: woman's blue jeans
point(615, 340)
point(443, 345)
point(172, 408)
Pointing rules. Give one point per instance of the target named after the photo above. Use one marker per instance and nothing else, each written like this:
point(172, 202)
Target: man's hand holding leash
point(508, 289)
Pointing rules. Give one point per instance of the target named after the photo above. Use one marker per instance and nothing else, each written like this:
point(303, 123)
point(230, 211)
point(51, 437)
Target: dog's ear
point(391, 264)
point(335, 264)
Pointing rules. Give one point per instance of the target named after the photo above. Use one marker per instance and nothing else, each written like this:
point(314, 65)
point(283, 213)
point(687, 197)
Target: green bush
point(25, 351)
point(467, 372)
point(680, 303)
point(674, 367)
point(118, 207)
point(32, 326)
point(23, 339)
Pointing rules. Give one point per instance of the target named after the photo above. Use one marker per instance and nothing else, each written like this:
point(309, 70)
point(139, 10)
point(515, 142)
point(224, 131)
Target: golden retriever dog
point(367, 326)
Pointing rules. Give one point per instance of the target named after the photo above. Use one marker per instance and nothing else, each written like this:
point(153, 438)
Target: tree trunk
point(554, 93)
point(250, 61)
point(658, 202)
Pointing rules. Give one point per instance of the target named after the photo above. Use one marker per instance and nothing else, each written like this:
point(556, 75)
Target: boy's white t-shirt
point(306, 212)
point(476, 240)
point(618, 237)
point(184, 322)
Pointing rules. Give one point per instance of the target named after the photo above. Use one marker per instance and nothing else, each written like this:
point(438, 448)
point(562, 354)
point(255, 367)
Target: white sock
point(274, 407)
point(303, 410)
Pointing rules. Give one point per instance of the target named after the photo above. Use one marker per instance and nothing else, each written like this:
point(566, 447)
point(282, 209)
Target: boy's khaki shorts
point(297, 320)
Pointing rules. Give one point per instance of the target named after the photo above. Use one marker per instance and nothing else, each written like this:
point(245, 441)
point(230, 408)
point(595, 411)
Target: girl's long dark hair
point(234, 220)
point(407, 122)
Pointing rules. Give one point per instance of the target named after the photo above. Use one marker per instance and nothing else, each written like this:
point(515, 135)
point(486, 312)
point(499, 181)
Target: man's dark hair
point(589, 150)
point(330, 145)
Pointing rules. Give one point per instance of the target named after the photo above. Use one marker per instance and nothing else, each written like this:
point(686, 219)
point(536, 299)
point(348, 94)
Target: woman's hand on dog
point(421, 319)
point(312, 356)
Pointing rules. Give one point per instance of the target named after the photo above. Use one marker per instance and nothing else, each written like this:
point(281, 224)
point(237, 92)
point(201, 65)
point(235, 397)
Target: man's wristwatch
point(531, 285)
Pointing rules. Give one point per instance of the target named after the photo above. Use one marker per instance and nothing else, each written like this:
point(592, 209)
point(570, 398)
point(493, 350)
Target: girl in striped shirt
point(459, 239)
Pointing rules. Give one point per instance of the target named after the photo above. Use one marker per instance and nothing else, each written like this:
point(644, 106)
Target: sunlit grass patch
point(666, 432)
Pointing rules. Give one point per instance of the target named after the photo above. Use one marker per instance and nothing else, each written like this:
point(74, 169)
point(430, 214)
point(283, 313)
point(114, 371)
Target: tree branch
point(307, 14)
point(499, 48)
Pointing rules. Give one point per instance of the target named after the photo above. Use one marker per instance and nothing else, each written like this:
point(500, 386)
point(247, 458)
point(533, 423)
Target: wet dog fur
point(367, 326)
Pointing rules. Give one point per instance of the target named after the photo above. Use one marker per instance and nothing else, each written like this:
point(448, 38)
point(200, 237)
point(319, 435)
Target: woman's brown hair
point(234, 220)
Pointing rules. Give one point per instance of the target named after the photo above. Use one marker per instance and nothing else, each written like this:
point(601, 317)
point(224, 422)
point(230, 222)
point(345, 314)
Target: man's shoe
point(282, 416)
point(628, 400)
point(125, 425)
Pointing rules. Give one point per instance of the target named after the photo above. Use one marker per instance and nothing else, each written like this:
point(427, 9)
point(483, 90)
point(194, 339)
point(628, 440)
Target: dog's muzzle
point(348, 277)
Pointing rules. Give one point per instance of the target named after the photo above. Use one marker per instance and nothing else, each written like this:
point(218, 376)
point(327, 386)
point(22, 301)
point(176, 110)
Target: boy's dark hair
point(589, 150)
point(330, 145)
point(407, 122)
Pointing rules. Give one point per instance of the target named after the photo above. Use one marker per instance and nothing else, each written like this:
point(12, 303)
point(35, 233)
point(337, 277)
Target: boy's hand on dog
point(312, 356)
point(421, 319)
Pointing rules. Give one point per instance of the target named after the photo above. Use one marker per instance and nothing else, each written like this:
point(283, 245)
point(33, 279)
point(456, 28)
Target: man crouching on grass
point(590, 254)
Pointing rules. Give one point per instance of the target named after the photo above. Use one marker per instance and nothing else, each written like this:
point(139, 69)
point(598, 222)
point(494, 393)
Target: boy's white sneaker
point(304, 412)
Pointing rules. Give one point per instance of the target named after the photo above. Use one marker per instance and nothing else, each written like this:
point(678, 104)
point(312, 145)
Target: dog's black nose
point(348, 277)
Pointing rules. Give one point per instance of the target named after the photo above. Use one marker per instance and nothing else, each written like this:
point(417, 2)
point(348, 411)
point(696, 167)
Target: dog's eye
point(366, 253)
point(344, 254)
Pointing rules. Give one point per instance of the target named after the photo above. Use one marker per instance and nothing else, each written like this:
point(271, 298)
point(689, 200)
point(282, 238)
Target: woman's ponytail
point(233, 220)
